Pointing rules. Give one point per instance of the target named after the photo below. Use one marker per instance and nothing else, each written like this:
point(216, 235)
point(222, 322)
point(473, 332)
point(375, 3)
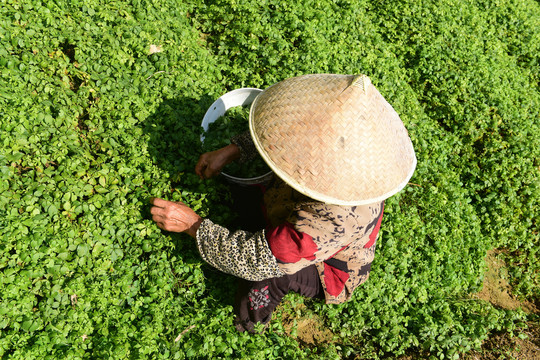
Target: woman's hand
point(211, 163)
point(175, 216)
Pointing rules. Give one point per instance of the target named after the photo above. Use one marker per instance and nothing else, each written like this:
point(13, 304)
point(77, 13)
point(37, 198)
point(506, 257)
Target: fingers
point(161, 211)
point(163, 208)
point(174, 216)
point(168, 219)
point(160, 225)
point(201, 166)
point(205, 167)
point(209, 173)
point(210, 164)
point(159, 202)
point(157, 211)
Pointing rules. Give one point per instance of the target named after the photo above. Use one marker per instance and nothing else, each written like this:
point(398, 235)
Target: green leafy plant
point(100, 109)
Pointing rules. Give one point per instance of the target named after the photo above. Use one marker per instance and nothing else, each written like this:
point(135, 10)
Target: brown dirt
point(525, 345)
point(502, 346)
point(496, 288)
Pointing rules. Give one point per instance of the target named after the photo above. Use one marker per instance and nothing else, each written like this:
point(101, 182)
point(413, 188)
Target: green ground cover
point(100, 109)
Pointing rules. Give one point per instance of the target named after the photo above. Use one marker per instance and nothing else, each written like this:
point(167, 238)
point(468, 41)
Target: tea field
point(100, 109)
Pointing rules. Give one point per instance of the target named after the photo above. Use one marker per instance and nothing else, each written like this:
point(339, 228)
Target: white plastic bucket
point(238, 97)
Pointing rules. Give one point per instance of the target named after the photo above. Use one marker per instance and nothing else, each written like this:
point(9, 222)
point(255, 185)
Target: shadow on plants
point(174, 131)
point(174, 144)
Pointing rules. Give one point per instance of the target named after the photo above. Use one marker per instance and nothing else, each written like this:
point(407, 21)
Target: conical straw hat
point(333, 138)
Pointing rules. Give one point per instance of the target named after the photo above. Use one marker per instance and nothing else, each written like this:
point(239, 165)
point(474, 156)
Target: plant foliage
point(100, 109)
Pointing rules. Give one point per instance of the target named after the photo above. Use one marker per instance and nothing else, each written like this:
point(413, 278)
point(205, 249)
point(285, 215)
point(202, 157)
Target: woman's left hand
point(175, 216)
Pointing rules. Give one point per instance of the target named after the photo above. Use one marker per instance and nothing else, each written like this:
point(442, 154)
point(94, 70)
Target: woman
point(338, 150)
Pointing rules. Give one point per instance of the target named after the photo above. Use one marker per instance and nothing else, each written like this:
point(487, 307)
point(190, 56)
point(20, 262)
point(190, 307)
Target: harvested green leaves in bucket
point(218, 135)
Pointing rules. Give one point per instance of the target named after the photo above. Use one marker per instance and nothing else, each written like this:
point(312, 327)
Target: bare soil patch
point(525, 344)
point(496, 289)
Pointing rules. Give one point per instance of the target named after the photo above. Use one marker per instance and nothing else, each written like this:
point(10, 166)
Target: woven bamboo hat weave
point(333, 138)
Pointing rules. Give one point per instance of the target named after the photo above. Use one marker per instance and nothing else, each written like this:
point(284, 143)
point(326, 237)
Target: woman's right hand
point(211, 163)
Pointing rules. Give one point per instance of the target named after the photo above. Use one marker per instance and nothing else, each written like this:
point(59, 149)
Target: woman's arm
point(240, 253)
point(313, 234)
point(211, 163)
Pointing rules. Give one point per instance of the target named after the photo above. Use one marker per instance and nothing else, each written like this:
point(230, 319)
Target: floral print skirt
point(256, 300)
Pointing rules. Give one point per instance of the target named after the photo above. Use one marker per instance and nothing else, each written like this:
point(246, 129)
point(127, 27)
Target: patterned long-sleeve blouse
point(338, 240)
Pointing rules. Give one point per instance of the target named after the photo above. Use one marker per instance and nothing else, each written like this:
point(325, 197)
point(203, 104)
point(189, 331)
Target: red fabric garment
point(289, 245)
point(334, 279)
point(373, 235)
